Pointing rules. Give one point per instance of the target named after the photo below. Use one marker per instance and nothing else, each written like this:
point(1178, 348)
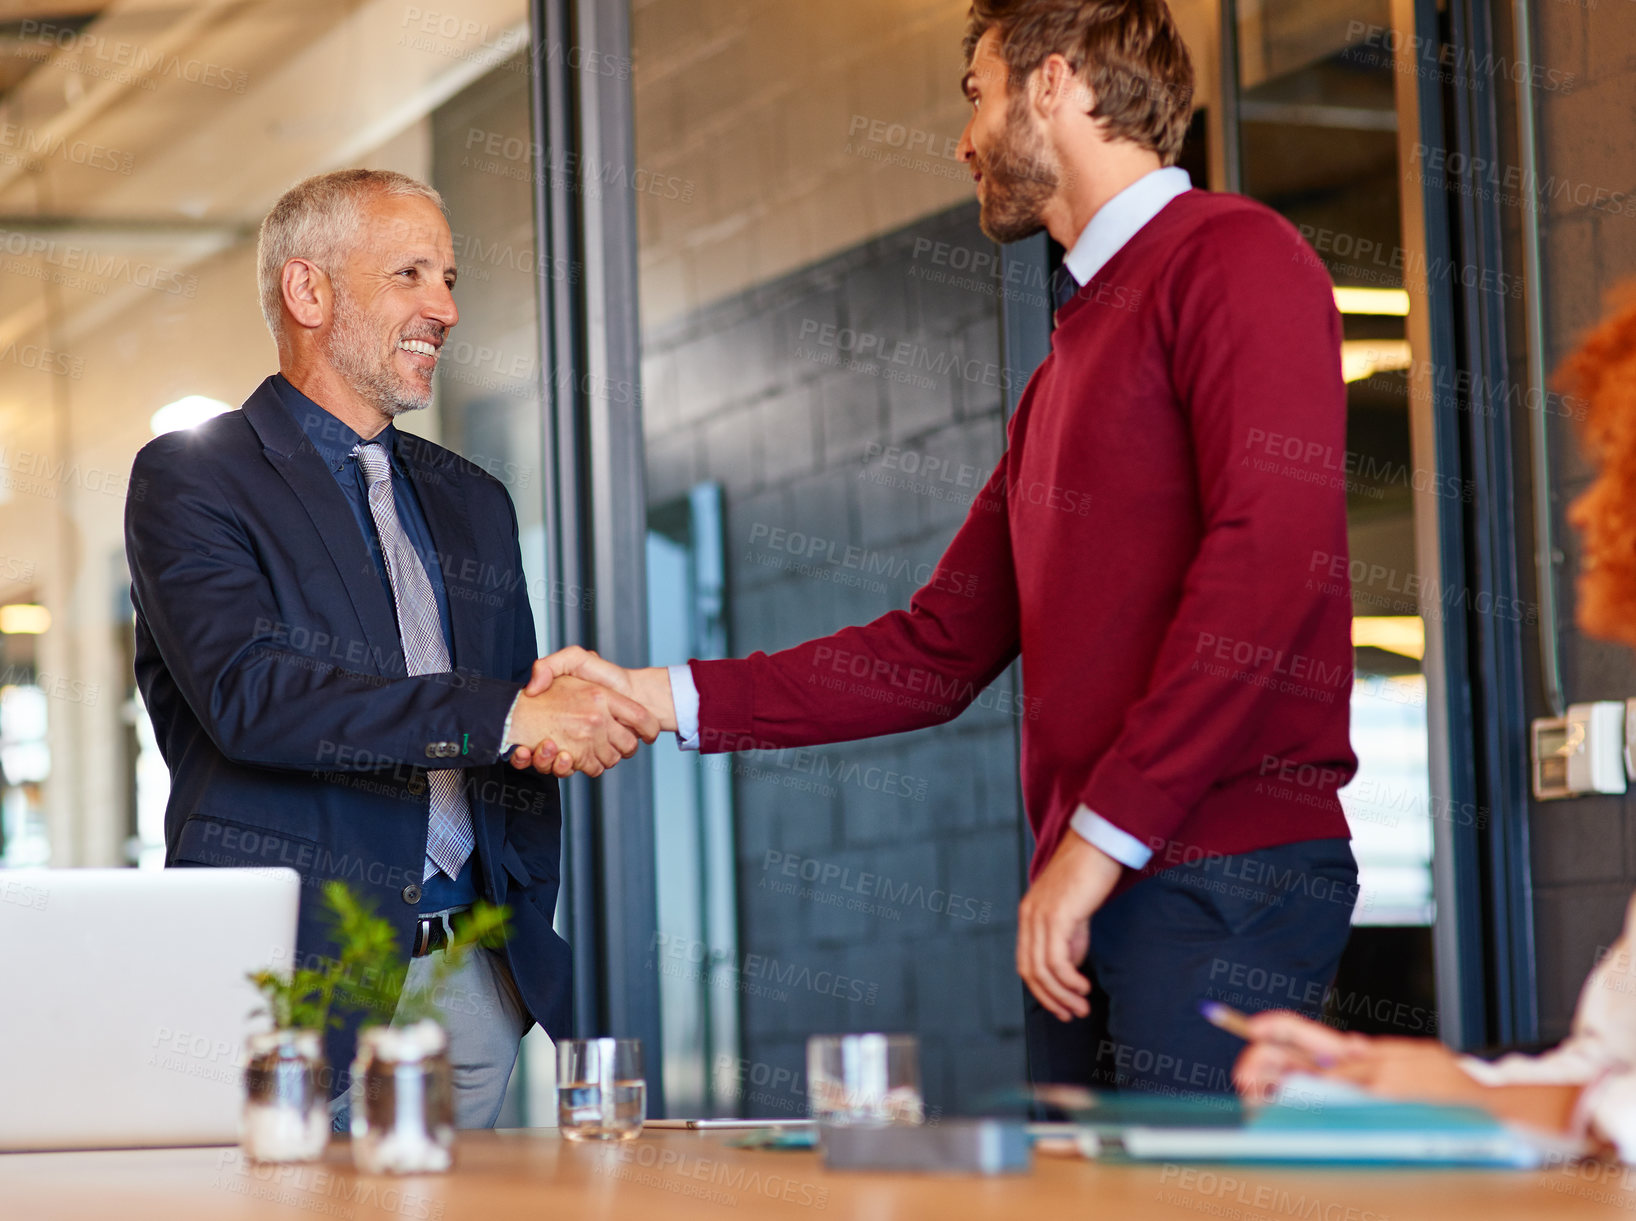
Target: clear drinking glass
point(601, 1094)
point(864, 1079)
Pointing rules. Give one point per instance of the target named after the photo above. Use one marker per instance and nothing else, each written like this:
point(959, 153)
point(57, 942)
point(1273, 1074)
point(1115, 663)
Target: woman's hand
point(1418, 1070)
point(1283, 1043)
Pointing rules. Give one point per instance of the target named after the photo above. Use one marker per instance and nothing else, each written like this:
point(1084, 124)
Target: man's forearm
point(345, 722)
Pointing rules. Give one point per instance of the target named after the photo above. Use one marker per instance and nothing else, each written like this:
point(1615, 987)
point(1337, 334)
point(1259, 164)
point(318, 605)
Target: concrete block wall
point(774, 133)
point(767, 126)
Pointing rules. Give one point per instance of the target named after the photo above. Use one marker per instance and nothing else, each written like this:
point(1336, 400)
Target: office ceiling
point(165, 128)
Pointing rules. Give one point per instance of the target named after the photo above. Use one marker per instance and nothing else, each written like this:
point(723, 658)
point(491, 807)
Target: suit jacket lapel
point(293, 457)
point(433, 471)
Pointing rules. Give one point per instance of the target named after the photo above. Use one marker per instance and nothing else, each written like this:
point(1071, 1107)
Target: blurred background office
point(731, 337)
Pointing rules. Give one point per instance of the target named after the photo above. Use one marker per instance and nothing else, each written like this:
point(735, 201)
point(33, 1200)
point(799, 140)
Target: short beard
point(351, 349)
point(1021, 176)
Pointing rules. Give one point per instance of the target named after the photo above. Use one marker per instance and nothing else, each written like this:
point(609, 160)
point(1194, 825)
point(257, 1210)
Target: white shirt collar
point(1122, 217)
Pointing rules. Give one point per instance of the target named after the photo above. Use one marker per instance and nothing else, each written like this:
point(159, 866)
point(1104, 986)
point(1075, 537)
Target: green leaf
point(365, 974)
point(484, 925)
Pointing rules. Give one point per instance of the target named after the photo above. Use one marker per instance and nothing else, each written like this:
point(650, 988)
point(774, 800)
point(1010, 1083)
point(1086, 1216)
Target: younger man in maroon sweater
point(1146, 545)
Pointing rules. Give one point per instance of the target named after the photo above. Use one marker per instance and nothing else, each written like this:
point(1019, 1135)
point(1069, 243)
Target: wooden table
point(532, 1174)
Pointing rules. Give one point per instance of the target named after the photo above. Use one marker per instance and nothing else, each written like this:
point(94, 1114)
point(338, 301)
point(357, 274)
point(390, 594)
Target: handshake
point(581, 713)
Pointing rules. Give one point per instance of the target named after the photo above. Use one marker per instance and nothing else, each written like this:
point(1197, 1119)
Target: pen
point(1227, 1018)
point(1235, 1023)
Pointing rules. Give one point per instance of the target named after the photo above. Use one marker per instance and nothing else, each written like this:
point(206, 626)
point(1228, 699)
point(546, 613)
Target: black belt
point(432, 933)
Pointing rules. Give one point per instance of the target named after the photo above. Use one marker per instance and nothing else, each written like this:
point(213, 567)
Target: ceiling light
point(1393, 301)
point(185, 413)
point(1402, 634)
point(1361, 358)
point(24, 619)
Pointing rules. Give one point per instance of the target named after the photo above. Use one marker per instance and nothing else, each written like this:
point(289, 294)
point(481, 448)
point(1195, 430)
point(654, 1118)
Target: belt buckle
point(442, 921)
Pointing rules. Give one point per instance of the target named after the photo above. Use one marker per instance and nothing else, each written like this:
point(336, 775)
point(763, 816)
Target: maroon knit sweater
point(1159, 543)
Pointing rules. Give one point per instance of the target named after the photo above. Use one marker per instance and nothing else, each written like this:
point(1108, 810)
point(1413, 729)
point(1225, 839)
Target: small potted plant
point(402, 1086)
point(287, 1077)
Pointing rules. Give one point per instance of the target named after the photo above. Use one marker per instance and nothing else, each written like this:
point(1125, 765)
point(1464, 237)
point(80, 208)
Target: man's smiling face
point(1016, 170)
point(394, 303)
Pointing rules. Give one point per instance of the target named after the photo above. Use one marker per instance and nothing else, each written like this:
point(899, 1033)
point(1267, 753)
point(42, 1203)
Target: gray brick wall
point(1584, 852)
point(781, 394)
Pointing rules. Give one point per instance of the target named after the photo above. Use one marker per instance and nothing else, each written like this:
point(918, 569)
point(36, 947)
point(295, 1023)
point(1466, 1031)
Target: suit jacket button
point(433, 749)
point(417, 785)
point(411, 893)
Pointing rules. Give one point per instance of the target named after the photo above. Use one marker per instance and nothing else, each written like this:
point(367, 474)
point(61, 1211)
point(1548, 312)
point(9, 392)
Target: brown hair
point(1128, 51)
point(1603, 373)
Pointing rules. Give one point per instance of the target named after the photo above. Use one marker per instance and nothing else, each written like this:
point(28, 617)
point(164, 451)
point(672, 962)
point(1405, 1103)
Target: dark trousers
point(1259, 930)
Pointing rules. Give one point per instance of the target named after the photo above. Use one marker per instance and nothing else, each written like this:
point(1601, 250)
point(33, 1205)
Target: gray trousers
point(480, 1008)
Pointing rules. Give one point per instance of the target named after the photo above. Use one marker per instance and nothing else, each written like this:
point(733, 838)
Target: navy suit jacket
point(267, 652)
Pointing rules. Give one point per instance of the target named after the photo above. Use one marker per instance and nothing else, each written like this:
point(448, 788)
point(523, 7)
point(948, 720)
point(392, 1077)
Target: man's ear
point(1055, 85)
point(307, 293)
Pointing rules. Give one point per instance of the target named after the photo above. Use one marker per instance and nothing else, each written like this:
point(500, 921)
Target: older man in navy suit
point(333, 630)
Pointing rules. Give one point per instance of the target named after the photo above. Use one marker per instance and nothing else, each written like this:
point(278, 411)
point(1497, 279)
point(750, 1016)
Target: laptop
point(126, 1003)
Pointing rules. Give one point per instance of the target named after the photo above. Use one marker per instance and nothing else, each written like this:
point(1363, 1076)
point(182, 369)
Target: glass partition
point(1319, 140)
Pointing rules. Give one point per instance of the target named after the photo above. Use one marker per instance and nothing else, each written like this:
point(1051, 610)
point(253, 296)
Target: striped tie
point(449, 834)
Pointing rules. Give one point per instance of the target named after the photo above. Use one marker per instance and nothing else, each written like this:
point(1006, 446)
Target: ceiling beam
point(138, 229)
point(15, 12)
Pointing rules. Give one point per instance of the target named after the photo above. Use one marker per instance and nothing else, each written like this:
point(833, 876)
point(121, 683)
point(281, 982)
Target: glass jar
point(286, 1097)
point(402, 1100)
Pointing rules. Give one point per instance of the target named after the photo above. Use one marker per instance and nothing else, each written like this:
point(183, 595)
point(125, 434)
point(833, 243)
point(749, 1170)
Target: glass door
point(1318, 139)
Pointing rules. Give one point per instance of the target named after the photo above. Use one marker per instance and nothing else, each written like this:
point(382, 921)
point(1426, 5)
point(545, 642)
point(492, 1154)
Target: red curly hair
point(1602, 372)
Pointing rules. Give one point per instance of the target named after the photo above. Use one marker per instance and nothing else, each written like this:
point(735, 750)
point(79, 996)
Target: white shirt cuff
point(1122, 846)
point(685, 693)
point(505, 730)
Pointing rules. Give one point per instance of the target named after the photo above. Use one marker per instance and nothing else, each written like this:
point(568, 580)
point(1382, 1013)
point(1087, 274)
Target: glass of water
point(601, 1094)
point(864, 1079)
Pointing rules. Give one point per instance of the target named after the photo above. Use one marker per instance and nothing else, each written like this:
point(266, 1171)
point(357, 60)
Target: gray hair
point(315, 219)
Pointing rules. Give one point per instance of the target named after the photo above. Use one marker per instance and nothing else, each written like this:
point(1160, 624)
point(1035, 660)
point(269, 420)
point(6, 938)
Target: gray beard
point(351, 350)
